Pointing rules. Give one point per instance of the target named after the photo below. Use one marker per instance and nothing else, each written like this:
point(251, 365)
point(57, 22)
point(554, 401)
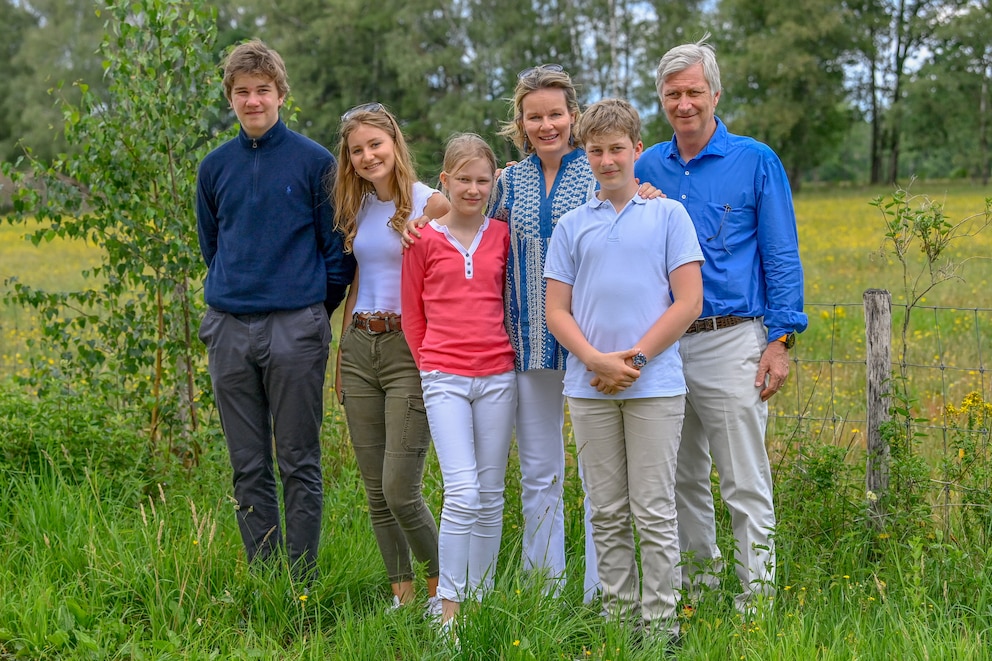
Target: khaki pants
point(725, 423)
point(628, 449)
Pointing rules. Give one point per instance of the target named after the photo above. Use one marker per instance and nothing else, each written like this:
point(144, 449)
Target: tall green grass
point(98, 563)
point(105, 566)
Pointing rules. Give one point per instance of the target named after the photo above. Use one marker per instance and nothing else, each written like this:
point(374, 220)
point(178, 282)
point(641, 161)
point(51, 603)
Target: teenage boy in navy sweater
point(275, 271)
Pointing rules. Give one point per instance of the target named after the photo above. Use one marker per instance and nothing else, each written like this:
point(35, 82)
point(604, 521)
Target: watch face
point(790, 340)
point(639, 360)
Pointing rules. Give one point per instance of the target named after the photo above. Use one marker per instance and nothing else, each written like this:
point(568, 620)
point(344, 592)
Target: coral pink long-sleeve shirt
point(452, 299)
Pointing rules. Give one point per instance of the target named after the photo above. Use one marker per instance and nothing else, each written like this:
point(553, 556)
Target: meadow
point(105, 557)
point(949, 332)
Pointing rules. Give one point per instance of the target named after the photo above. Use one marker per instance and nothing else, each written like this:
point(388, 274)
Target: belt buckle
point(368, 325)
point(364, 324)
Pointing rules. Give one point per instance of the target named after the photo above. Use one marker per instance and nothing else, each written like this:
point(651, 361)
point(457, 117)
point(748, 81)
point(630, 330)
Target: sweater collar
point(271, 137)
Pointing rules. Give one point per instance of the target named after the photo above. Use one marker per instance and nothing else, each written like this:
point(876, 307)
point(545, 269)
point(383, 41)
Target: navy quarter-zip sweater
point(266, 225)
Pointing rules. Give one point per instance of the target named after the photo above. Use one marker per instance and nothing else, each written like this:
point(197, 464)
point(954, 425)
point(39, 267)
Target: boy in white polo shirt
point(623, 276)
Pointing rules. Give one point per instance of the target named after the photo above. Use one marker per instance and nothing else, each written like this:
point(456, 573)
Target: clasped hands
point(613, 372)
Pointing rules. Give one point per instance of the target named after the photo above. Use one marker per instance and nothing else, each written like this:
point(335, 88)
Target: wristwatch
point(789, 340)
point(639, 360)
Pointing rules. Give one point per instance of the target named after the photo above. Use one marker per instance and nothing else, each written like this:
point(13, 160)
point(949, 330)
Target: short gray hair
point(684, 56)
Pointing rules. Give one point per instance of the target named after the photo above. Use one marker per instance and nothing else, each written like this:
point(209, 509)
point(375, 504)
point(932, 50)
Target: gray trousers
point(384, 403)
point(267, 372)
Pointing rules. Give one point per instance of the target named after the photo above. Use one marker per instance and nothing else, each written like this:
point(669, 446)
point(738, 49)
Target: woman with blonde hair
point(554, 177)
point(376, 192)
point(531, 195)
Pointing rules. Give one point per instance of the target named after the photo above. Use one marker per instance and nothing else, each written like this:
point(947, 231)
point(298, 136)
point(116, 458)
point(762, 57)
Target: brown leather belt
point(376, 323)
point(715, 323)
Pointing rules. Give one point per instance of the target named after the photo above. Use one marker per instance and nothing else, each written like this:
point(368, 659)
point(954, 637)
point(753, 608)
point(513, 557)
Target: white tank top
point(379, 252)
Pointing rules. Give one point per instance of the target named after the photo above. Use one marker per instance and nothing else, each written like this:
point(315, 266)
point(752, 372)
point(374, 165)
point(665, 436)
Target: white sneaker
point(395, 606)
point(433, 610)
point(446, 632)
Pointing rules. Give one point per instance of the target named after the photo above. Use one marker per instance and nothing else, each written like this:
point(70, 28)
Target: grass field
point(97, 561)
point(841, 241)
point(840, 235)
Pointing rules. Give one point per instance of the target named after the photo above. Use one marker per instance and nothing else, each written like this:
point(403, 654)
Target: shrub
point(74, 434)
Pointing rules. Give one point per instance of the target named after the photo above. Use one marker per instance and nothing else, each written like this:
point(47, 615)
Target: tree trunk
point(984, 164)
point(894, 134)
point(875, 176)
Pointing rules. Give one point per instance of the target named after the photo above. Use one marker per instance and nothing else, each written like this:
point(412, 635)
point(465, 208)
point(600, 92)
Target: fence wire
point(941, 353)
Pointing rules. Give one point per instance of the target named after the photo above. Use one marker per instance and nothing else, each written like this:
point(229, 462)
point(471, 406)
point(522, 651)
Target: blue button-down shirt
point(738, 196)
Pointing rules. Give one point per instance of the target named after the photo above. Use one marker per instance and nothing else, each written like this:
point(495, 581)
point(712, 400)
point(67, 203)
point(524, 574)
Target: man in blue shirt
point(736, 355)
point(275, 270)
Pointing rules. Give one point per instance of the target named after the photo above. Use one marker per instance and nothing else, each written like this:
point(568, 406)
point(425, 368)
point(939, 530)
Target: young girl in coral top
point(452, 298)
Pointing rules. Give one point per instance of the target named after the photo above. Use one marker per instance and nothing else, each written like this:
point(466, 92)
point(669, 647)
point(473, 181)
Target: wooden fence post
point(878, 344)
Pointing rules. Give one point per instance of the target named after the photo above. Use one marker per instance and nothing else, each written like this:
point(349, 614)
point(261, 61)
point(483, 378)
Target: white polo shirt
point(618, 265)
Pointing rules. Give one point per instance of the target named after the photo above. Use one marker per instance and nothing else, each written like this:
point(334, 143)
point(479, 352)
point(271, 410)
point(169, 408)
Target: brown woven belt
point(374, 323)
point(715, 323)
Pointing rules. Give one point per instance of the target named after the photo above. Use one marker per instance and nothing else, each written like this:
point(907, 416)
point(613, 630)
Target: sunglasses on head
point(555, 68)
point(365, 107)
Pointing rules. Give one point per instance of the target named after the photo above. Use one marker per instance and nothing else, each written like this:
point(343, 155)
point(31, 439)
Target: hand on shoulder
point(648, 191)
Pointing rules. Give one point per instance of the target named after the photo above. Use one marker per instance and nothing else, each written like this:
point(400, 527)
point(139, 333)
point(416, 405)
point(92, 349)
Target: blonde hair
point(464, 147)
point(537, 79)
point(350, 189)
point(609, 116)
point(255, 58)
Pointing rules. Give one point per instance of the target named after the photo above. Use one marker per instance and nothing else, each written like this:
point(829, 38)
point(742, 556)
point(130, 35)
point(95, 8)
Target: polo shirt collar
point(717, 146)
point(596, 203)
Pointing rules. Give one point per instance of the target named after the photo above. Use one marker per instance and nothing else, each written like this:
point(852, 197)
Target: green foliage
point(818, 498)
point(90, 571)
point(796, 73)
point(53, 45)
point(799, 110)
point(914, 224)
point(74, 434)
point(948, 102)
point(966, 470)
point(130, 191)
point(917, 224)
point(906, 504)
point(15, 23)
point(451, 66)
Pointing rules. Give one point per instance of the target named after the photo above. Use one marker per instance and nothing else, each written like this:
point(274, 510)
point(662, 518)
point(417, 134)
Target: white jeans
point(726, 419)
point(471, 420)
point(541, 449)
point(628, 450)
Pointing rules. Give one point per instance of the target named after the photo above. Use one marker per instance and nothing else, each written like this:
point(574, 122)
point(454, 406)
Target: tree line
point(860, 90)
